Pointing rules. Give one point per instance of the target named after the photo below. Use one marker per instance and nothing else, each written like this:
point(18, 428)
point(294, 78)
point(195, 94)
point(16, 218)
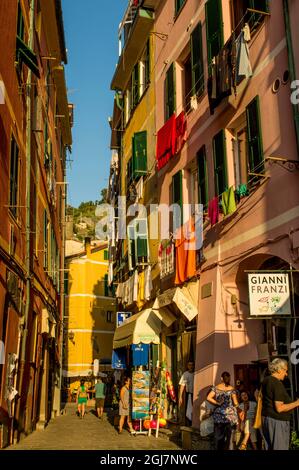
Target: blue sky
point(91, 40)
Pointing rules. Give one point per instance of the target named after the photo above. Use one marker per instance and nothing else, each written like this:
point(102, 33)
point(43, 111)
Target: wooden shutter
point(260, 5)
point(141, 238)
point(178, 5)
point(170, 92)
point(202, 177)
point(219, 151)
point(177, 198)
point(214, 27)
point(197, 61)
point(14, 176)
point(131, 245)
point(135, 85)
point(139, 148)
point(147, 63)
point(255, 144)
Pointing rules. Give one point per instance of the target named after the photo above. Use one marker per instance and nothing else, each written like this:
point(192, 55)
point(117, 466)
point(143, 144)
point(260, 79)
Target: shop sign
point(185, 305)
point(121, 317)
point(269, 294)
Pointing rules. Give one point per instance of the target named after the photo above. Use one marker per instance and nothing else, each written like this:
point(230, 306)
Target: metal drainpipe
point(28, 203)
point(292, 65)
point(63, 278)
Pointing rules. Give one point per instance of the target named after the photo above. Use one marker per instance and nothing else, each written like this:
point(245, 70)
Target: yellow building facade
point(89, 314)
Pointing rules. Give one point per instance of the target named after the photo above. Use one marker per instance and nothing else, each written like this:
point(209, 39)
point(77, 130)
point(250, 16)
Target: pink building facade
point(241, 137)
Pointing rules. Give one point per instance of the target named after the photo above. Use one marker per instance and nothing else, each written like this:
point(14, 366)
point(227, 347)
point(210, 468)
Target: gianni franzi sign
point(269, 294)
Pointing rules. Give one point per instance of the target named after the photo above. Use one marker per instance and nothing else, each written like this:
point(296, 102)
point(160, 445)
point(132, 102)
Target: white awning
point(186, 299)
point(144, 327)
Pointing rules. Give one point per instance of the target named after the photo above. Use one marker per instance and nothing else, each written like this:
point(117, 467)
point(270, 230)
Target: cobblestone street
point(68, 432)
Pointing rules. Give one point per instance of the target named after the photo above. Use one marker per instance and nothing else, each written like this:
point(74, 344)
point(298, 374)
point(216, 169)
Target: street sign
point(121, 317)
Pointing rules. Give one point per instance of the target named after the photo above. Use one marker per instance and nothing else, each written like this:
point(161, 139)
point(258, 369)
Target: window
point(202, 177)
point(109, 316)
point(255, 144)
point(139, 159)
point(241, 156)
point(240, 15)
point(23, 53)
point(106, 287)
point(147, 63)
point(197, 61)
point(177, 198)
point(187, 82)
point(144, 72)
point(128, 105)
point(135, 85)
point(14, 177)
point(214, 28)
point(105, 255)
point(170, 92)
point(219, 152)
point(138, 249)
point(129, 173)
point(178, 5)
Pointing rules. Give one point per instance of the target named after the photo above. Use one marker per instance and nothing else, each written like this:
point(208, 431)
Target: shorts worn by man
point(100, 395)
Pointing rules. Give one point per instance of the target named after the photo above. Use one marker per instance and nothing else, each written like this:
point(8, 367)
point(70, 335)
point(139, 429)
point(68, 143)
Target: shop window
point(14, 177)
point(214, 28)
point(202, 177)
point(197, 61)
point(219, 153)
point(170, 98)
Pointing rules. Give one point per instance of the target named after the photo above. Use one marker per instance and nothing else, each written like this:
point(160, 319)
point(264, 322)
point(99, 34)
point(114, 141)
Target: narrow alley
point(68, 432)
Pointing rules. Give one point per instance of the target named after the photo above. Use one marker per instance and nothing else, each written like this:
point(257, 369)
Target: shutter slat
point(214, 28)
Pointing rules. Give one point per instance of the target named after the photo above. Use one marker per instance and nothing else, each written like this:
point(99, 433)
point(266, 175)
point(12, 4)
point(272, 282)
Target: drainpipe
point(292, 65)
point(28, 204)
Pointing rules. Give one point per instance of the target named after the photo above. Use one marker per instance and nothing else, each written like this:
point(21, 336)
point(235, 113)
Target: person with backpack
point(82, 398)
point(100, 391)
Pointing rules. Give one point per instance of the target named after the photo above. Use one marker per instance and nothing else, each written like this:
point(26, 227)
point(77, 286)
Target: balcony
point(133, 33)
point(153, 4)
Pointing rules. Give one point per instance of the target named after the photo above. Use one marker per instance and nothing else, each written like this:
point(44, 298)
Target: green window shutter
point(178, 5)
point(255, 144)
point(202, 177)
point(139, 159)
point(20, 23)
point(135, 85)
point(14, 175)
point(214, 28)
point(197, 61)
point(219, 151)
point(27, 56)
point(177, 197)
point(147, 63)
point(170, 98)
point(141, 239)
point(105, 255)
point(106, 287)
point(131, 246)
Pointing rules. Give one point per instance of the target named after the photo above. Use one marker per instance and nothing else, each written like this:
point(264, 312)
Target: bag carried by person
point(257, 423)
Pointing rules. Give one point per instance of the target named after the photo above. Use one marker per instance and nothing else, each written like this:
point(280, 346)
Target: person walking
point(82, 398)
point(186, 383)
point(225, 414)
point(124, 406)
point(100, 395)
point(249, 434)
point(277, 407)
